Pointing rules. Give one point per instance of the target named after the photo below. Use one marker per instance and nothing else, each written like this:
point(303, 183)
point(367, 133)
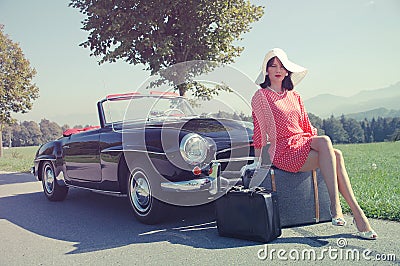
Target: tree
point(16, 88)
point(26, 133)
point(7, 135)
point(30, 134)
point(354, 130)
point(162, 33)
point(368, 135)
point(378, 129)
point(50, 130)
point(396, 135)
point(334, 129)
point(317, 123)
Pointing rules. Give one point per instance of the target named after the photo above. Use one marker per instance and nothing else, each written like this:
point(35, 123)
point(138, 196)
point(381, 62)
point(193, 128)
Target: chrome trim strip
point(105, 192)
point(237, 159)
point(152, 152)
point(44, 159)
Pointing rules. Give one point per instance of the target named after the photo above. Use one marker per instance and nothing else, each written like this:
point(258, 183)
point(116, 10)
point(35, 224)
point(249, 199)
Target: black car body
point(155, 155)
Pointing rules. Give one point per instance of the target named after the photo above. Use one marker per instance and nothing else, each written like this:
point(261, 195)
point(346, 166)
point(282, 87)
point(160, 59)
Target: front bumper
point(213, 183)
point(208, 183)
point(200, 184)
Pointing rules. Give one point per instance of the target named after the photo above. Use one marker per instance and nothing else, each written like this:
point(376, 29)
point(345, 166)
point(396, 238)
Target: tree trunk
point(1, 142)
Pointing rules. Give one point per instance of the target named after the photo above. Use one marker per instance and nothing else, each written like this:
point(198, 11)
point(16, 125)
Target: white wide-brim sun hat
point(298, 72)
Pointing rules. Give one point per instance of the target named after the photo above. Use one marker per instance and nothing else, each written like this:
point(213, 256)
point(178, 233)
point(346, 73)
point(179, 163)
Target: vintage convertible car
point(151, 147)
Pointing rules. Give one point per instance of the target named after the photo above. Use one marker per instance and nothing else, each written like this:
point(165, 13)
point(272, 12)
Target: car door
point(82, 156)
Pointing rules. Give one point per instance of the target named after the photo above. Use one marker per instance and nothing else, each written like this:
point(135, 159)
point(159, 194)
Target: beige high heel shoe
point(339, 221)
point(369, 235)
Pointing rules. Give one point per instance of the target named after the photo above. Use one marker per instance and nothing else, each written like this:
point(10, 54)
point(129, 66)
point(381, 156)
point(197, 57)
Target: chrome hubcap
point(140, 192)
point(48, 179)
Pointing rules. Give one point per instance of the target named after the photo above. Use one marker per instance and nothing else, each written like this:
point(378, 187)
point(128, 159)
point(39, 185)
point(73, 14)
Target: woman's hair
point(286, 83)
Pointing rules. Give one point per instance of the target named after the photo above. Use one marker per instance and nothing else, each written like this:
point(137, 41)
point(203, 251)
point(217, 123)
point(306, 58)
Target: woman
point(278, 112)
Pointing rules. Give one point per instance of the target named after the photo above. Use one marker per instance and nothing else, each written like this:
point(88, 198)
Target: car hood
point(224, 132)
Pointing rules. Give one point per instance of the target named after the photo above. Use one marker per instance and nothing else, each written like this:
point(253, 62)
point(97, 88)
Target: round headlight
point(193, 148)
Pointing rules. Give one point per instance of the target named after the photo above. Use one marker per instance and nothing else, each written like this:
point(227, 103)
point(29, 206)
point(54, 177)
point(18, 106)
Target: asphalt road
point(94, 229)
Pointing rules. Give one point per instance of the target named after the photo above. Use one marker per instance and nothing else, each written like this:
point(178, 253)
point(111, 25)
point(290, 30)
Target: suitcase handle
point(257, 189)
point(236, 188)
point(249, 190)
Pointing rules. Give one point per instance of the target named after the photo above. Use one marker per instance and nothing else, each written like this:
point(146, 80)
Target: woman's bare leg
point(331, 163)
point(348, 194)
point(322, 156)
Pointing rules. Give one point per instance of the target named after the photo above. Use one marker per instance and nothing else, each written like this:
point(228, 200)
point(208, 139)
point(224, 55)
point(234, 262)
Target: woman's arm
point(306, 124)
point(263, 120)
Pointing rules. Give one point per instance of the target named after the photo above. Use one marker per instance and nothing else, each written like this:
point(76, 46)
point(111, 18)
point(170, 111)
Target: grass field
point(374, 171)
point(19, 159)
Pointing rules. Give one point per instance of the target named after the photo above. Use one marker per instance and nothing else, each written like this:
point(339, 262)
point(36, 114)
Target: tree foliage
point(396, 135)
point(349, 130)
point(354, 130)
point(334, 129)
point(317, 123)
point(49, 130)
point(162, 33)
point(17, 90)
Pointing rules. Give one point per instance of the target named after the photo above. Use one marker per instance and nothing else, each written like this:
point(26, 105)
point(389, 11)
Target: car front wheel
point(52, 190)
point(147, 208)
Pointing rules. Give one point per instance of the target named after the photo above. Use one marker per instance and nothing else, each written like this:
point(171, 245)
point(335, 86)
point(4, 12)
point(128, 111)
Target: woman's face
point(276, 71)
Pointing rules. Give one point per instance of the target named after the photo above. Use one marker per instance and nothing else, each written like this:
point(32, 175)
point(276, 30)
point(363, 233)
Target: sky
point(347, 46)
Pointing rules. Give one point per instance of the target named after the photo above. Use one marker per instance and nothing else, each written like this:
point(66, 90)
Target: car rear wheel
point(52, 190)
point(146, 207)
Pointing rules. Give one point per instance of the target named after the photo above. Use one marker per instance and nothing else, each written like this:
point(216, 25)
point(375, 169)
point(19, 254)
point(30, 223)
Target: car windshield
point(146, 108)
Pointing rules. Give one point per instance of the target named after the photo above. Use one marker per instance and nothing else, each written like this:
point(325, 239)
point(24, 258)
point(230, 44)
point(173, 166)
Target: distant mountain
point(325, 105)
point(375, 113)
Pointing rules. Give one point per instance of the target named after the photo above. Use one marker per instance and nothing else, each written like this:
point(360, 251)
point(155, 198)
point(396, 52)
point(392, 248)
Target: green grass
point(18, 159)
point(374, 171)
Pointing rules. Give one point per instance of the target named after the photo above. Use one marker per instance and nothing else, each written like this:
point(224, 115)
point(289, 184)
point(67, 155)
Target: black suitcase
point(250, 214)
point(302, 197)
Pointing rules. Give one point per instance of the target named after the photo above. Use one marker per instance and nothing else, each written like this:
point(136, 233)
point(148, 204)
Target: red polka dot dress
point(282, 120)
